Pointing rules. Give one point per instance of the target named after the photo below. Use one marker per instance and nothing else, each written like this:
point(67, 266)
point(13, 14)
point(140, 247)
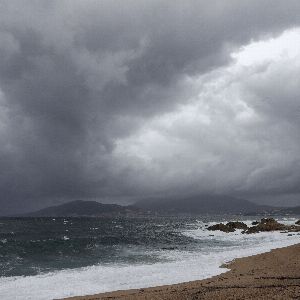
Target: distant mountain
point(295, 210)
point(84, 208)
point(203, 204)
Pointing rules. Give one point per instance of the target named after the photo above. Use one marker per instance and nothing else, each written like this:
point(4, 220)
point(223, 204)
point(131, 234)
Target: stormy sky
point(121, 100)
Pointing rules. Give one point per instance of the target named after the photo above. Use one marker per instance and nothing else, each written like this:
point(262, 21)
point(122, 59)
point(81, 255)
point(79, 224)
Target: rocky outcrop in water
point(229, 227)
point(265, 224)
point(298, 222)
point(270, 224)
point(221, 227)
point(237, 225)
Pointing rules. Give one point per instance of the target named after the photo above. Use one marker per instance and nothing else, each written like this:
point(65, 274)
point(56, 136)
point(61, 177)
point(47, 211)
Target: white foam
point(185, 266)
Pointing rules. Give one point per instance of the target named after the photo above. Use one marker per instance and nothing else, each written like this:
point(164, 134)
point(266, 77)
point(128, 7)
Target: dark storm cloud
point(75, 76)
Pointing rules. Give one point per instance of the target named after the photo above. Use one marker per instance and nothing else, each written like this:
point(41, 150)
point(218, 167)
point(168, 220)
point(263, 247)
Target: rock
point(267, 220)
point(265, 224)
point(252, 229)
point(268, 224)
point(237, 225)
point(293, 228)
point(298, 222)
point(221, 227)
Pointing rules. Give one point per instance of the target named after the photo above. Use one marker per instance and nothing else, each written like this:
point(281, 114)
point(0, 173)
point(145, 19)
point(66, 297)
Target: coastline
point(270, 275)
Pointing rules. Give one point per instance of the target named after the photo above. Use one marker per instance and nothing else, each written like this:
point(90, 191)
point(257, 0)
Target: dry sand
point(272, 275)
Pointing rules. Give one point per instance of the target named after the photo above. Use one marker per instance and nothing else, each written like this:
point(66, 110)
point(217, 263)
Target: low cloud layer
point(120, 100)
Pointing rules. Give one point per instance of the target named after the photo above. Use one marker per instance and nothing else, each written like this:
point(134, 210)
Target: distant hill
point(83, 208)
point(203, 204)
point(287, 210)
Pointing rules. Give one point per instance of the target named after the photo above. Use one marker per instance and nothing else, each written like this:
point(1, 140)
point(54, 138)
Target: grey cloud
point(237, 135)
point(78, 75)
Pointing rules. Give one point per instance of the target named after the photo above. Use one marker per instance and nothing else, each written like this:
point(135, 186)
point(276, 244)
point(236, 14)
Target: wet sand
point(271, 275)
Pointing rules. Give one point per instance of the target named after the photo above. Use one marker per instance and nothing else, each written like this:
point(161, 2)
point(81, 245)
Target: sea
point(53, 258)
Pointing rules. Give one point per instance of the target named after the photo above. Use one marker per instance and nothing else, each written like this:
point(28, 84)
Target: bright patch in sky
point(287, 45)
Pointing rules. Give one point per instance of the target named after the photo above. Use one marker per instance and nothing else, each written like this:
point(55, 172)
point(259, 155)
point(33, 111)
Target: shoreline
point(270, 275)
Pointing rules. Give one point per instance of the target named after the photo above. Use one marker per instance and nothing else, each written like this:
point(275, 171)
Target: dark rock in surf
point(237, 225)
point(267, 224)
point(221, 227)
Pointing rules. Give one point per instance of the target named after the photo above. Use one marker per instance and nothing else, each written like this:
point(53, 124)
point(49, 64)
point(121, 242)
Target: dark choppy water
point(29, 246)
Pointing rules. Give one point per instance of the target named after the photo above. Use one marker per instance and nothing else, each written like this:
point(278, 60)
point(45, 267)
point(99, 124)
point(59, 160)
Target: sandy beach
point(271, 275)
